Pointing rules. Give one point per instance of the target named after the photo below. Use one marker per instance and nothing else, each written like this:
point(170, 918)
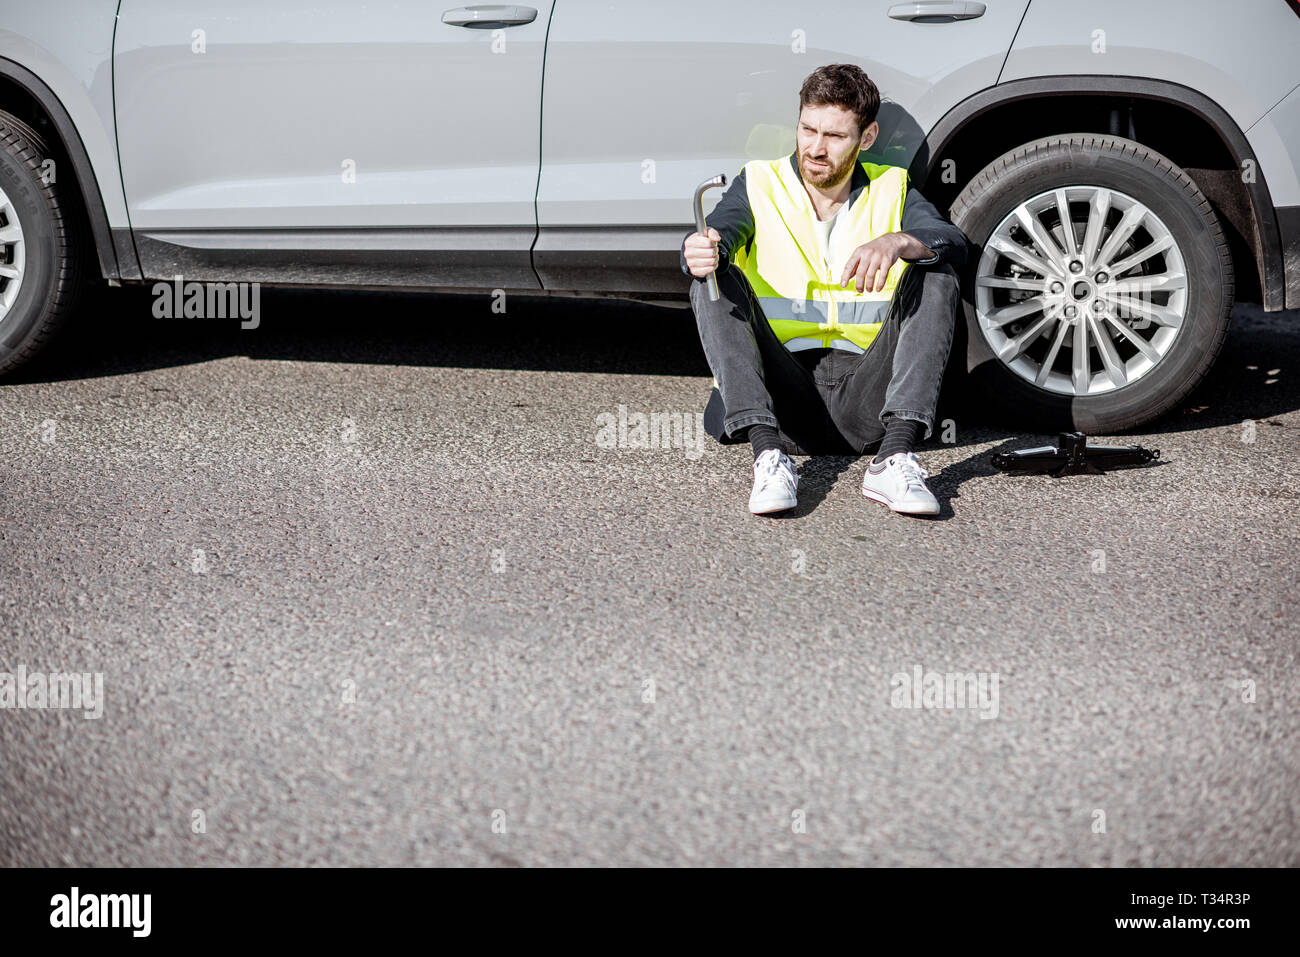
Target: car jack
point(1073, 456)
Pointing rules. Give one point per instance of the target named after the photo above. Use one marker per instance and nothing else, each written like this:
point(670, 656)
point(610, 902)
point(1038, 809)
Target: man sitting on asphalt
point(839, 295)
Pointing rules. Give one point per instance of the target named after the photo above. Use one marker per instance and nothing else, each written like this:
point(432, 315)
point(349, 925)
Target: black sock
point(901, 435)
point(764, 437)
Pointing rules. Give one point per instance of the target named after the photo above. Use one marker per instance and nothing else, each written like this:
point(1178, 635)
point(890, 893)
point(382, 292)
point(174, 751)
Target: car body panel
point(643, 102)
point(1243, 55)
point(1275, 138)
point(1276, 141)
point(335, 116)
point(71, 56)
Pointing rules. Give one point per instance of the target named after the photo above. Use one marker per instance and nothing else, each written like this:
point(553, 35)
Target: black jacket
point(734, 221)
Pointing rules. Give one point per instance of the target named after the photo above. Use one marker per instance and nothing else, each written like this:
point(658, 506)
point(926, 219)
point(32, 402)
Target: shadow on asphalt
point(116, 334)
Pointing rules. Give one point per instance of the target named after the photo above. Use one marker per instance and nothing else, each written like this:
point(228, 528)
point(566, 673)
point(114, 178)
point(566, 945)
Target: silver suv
point(1123, 170)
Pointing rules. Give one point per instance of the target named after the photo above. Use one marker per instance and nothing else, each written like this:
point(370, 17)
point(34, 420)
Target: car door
point(331, 140)
point(642, 102)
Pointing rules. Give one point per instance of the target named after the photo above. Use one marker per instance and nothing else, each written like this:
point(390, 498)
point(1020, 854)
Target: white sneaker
point(776, 484)
point(899, 482)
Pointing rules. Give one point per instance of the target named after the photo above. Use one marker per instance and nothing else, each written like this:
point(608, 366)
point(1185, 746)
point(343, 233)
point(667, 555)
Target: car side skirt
point(635, 262)
point(482, 258)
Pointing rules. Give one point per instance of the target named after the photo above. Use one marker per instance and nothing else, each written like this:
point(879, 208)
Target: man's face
point(829, 142)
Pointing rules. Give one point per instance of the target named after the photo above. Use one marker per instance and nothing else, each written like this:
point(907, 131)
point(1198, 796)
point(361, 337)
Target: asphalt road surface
point(386, 580)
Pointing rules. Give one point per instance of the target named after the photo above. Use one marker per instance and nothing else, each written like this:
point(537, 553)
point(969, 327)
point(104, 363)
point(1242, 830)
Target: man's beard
point(830, 176)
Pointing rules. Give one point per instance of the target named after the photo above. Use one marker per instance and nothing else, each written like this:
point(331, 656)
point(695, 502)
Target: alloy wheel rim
point(1085, 309)
point(12, 255)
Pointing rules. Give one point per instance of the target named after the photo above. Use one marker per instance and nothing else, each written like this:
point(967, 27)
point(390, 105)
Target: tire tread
point(26, 146)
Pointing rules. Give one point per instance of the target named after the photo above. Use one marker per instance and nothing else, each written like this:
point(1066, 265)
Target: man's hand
point(871, 262)
point(702, 252)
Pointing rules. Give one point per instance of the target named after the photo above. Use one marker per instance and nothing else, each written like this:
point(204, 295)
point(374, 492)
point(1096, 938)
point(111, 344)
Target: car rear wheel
point(1103, 287)
point(41, 259)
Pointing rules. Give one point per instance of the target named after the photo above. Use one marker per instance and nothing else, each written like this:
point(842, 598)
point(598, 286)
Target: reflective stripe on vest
point(795, 285)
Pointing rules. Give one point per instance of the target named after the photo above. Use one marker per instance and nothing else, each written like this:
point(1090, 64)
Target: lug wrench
point(702, 228)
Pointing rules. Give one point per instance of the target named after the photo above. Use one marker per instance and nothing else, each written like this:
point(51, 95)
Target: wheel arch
point(25, 95)
point(1161, 115)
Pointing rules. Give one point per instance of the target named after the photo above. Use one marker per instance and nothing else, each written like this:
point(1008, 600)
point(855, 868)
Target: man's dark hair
point(844, 85)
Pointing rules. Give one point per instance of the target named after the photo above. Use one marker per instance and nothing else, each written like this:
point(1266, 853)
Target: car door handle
point(489, 17)
point(937, 11)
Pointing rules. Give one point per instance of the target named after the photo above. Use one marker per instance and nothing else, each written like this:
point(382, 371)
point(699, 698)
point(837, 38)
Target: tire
point(42, 261)
point(1175, 294)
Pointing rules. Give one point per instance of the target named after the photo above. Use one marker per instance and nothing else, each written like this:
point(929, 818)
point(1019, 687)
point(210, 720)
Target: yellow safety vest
point(784, 265)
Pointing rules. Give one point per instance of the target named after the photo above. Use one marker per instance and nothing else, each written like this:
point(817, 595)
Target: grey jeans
point(826, 401)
